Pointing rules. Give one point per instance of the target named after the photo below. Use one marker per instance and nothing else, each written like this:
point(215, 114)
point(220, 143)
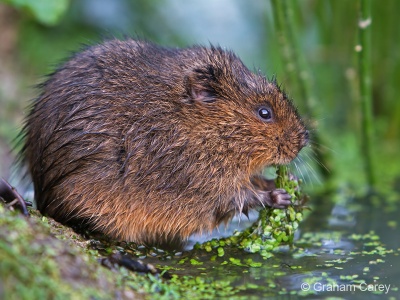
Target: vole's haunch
point(151, 144)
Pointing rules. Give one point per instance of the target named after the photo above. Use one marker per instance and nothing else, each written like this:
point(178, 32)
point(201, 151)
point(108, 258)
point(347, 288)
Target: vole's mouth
point(285, 160)
point(286, 153)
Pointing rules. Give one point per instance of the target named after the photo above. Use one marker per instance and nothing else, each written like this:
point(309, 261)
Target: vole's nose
point(306, 138)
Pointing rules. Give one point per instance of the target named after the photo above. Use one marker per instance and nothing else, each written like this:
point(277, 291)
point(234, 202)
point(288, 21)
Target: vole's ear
point(201, 84)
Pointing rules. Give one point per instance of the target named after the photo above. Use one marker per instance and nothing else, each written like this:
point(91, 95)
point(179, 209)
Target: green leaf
point(48, 12)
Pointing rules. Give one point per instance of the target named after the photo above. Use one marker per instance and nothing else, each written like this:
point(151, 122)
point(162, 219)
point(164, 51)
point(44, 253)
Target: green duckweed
point(274, 227)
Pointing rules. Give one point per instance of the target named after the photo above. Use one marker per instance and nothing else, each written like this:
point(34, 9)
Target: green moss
point(36, 265)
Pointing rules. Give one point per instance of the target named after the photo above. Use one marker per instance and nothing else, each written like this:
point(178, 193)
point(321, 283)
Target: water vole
point(151, 144)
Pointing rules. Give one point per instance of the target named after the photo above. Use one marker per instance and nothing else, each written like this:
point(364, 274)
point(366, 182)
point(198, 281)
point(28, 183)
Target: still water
point(345, 248)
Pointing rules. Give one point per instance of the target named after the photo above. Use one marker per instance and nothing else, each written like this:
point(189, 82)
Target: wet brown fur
point(150, 144)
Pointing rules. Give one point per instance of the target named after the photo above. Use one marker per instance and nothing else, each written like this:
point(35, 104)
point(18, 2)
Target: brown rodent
point(151, 144)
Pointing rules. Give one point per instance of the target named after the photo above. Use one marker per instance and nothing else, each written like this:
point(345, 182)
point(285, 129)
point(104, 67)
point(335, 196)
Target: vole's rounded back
point(149, 144)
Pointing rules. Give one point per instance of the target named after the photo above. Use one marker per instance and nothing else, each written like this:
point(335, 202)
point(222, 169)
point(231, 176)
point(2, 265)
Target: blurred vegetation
point(47, 12)
point(318, 66)
point(363, 49)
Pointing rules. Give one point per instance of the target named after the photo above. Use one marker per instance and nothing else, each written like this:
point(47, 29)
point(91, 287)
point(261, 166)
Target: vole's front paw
point(278, 198)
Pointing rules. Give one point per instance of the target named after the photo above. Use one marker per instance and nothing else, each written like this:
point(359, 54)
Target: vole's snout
point(306, 138)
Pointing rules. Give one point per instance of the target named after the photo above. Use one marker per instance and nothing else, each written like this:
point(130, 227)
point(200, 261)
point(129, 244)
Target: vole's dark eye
point(265, 113)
